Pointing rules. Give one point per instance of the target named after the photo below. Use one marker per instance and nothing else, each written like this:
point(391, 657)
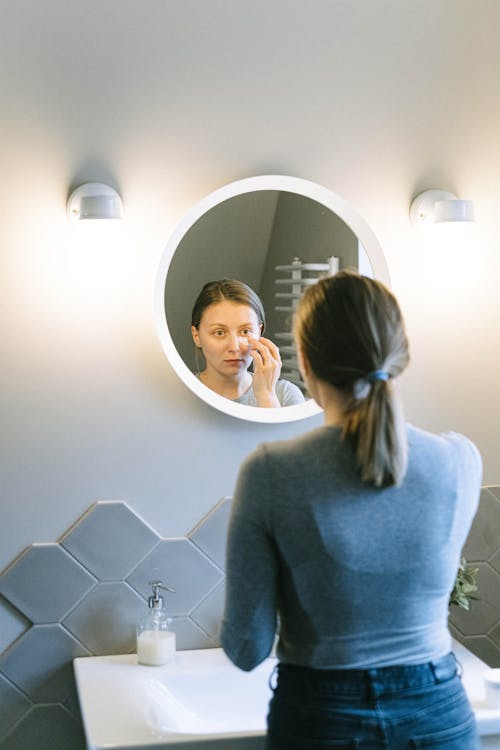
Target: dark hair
point(349, 326)
point(231, 290)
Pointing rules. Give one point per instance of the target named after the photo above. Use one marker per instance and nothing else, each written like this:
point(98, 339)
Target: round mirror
point(275, 233)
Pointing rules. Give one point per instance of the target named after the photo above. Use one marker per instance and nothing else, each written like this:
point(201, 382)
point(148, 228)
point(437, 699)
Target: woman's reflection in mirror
point(227, 324)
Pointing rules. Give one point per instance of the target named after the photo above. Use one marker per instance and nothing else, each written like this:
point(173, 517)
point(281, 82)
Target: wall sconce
point(438, 206)
point(94, 200)
point(450, 248)
point(98, 261)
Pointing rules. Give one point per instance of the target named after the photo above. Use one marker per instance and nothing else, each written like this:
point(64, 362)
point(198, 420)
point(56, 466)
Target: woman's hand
point(266, 370)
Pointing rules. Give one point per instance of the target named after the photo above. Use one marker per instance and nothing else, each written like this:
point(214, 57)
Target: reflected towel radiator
point(294, 278)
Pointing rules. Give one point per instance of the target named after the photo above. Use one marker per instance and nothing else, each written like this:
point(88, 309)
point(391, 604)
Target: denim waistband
point(379, 680)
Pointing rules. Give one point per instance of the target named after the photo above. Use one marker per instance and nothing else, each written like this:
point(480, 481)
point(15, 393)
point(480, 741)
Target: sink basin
point(198, 697)
point(200, 700)
point(488, 719)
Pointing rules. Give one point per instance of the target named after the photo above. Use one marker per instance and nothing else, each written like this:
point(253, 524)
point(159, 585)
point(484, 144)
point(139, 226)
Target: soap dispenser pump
point(155, 642)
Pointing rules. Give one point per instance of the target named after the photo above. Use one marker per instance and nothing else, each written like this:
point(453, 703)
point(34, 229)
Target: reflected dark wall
point(308, 230)
point(245, 237)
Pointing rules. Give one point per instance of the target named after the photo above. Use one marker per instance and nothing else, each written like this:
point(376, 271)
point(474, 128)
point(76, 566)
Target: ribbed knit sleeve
point(249, 622)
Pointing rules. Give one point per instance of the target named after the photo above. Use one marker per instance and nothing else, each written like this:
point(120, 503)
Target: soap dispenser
point(155, 642)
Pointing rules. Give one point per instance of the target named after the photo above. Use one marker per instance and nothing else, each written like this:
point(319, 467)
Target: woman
point(350, 536)
point(227, 323)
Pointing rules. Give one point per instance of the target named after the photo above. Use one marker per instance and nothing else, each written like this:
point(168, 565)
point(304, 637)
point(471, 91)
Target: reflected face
point(223, 337)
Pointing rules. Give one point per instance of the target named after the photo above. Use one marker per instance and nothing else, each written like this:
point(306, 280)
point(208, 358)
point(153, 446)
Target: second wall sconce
point(451, 249)
point(94, 200)
point(439, 206)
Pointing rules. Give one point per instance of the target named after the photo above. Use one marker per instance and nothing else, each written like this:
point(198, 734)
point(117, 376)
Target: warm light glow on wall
point(96, 258)
point(454, 255)
point(87, 275)
point(449, 241)
point(84, 267)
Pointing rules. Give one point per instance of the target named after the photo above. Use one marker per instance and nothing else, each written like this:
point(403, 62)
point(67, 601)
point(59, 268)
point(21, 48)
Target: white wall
point(169, 100)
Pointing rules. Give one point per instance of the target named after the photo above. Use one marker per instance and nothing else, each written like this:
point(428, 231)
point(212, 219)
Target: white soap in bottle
point(155, 642)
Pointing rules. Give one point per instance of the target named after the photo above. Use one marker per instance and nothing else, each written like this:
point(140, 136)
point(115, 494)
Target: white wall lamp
point(94, 200)
point(451, 250)
point(97, 265)
point(438, 206)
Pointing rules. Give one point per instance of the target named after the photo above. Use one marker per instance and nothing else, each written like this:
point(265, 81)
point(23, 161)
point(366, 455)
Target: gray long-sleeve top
point(359, 576)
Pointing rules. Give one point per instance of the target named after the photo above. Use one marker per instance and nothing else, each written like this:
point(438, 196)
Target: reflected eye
point(248, 332)
point(218, 332)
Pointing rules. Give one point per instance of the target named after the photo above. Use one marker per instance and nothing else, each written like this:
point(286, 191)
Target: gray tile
point(45, 582)
point(46, 728)
point(455, 633)
point(12, 624)
point(483, 539)
point(495, 489)
point(494, 561)
point(71, 702)
point(208, 614)
point(188, 635)
point(105, 621)
point(484, 648)
point(210, 534)
point(494, 634)
point(40, 662)
point(182, 567)
point(13, 704)
point(485, 611)
point(110, 540)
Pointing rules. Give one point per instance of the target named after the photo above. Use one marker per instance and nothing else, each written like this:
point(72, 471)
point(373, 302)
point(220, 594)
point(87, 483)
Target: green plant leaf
point(465, 585)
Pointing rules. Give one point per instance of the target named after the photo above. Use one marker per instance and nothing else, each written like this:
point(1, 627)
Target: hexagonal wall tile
point(483, 539)
point(211, 532)
point(13, 704)
point(208, 614)
point(456, 634)
point(484, 648)
point(182, 567)
point(72, 703)
point(45, 582)
point(12, 624)
point(494, 561)
point(110, 540)
point(494, 635)
point(105, 620)
point(46, 728)
point(188, 635)
point(40, 662)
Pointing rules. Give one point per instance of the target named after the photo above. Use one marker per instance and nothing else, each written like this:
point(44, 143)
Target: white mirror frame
point(283, 183)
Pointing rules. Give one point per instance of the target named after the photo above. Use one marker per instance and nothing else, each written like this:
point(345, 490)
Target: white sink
point(198, 697)
point(488, 719)
point(201, 700)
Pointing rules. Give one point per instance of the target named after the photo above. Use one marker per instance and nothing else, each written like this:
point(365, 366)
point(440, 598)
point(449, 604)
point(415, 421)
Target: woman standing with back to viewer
point(351, 536)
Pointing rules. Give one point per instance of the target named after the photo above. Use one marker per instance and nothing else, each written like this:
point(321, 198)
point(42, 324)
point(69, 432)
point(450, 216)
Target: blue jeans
point(390, 708)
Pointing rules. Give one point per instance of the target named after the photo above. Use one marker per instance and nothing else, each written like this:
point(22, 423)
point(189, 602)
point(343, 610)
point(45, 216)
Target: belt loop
point(460, 669)
point(373, 684)
point(445, 668)
point(273, 679)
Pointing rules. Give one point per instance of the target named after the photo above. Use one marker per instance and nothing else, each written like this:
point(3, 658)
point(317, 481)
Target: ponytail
point(375, 427)
point(351, 331)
